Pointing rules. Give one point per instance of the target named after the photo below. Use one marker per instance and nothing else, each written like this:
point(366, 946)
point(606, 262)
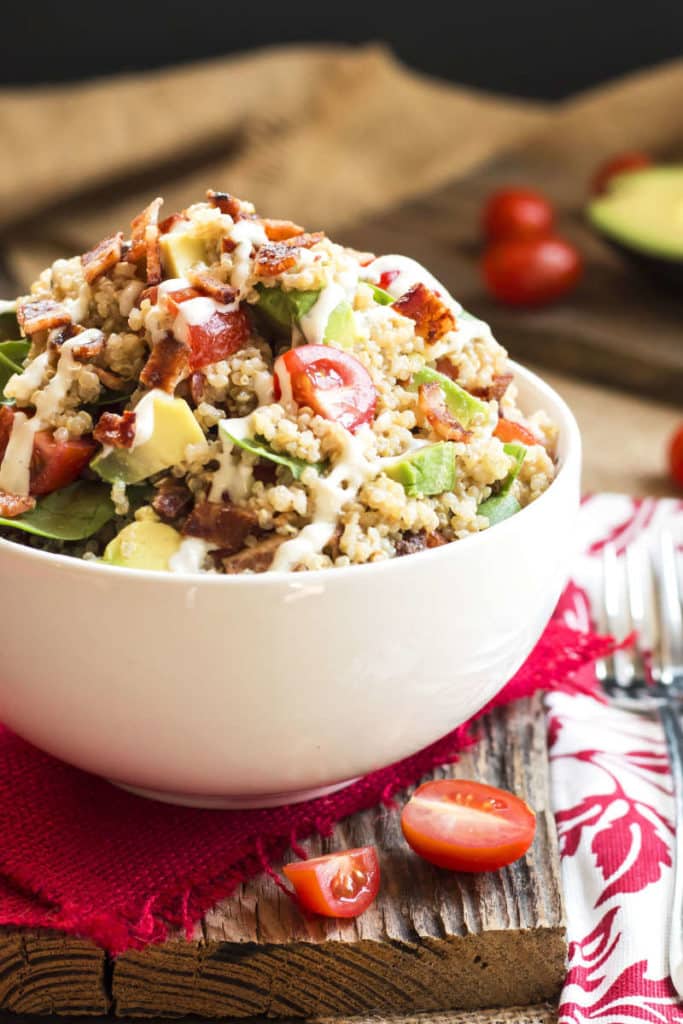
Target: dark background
point(536, 48)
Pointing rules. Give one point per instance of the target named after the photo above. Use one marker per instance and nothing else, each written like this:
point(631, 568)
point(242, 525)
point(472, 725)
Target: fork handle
point(674, 738)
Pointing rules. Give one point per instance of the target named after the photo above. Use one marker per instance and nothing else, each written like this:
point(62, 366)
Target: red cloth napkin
point(80, 855)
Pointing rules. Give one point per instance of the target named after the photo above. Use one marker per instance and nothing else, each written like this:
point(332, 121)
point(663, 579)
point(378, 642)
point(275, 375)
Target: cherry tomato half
point(676, 456)
point(56, 464)
point(531, 271)
point(617, 165)
point(338, 885)
point(467, 826)
point(212, 339)
point(331, 382)
point(509, 430)
point(517, 213)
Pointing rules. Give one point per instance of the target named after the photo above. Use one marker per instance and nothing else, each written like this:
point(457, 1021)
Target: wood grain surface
point(434, 940)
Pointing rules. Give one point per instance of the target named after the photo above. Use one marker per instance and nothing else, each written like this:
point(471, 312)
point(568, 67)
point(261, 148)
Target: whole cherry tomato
point(517, 213)
point(531, 271)
point(338, 885)
point(634, 161)
point(331, 382)
point(467, 826)
point(676, 456)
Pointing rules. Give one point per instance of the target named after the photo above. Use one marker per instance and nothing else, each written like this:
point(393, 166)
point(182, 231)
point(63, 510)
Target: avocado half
point(641, 214)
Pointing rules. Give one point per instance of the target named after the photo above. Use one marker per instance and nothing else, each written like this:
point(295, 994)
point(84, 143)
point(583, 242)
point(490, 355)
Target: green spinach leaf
point(74, 513)
point(257, 446)
point(12, 355)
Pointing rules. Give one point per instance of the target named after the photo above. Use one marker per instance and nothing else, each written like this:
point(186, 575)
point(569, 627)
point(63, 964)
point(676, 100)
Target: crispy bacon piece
point(103, 257)
point(168, 364)
point(172, 499)
point(225, 203)
point(209, 285)
point(90, 349)
point(116, 430)
point(445, 366)
point(170, 222)
point(154, 271)
point(12, 505)
point(258, 558)
point(151, 293)
point(436, 539)
point(224, 525)
point(431, 403)
point(496, 389)
point(228, 245)
point(281, 230)
point(41, 315)
point(6, 423)
point(110, 380)
point(432, 316)
point(275, 258)
point(144, 241)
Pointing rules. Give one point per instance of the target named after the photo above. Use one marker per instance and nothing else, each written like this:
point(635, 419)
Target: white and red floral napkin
point(612, 794)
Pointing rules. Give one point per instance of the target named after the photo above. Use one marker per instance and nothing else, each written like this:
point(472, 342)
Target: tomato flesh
point(676, 456)
point(509, 430)
point(215, 338)
point(56, 464)
point(467, 826)
point(338, 885)
point(517, 213)
point(387, 278)
point(330, 382)
point(531, 271)
point(618, 164)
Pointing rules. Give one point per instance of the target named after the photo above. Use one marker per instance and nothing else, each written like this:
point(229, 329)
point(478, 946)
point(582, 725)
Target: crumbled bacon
point(432, 316)
point(229, 245)
point(446, 367)
point(225, 203)
point(168, 364)
point(110, 380)
point(41, 315)
point(151, 293)
point(170, 222)
point(117, 431)
point(172, 499)
point(12, 505)
point(6, 424)
point(436, 539)
point(212, 286)
point(258, 558)
point(102, 258)
point(281, 230)
point(275, 258)
point(224, 525)
point(410, 543)
point(90, 349)
point(144, 241)
point(431, 403)
point(495, 390)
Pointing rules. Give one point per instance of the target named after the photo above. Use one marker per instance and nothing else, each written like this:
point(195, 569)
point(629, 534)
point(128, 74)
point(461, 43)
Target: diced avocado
point(382, 297)
point(642, 214)
point(144, 545)
point(429, 470)
point(499, 507)
point(461, 404)
point(174, 428)
point(341, 326)
point(283, 308)
point(502, 505)
point(257, 446)
point(180, 251)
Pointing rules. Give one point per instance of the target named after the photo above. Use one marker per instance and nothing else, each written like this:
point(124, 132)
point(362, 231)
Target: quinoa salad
point(222, 392)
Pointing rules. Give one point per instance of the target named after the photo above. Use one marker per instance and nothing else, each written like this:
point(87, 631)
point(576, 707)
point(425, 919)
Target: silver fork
point(641, 592)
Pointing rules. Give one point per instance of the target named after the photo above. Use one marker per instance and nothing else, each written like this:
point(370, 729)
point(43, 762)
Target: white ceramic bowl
point(247, 691)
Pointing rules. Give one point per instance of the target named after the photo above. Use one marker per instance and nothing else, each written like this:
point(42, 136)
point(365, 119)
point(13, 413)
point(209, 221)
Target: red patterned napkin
point(78, 854)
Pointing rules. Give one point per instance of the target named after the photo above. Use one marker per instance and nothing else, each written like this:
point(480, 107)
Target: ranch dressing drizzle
point(22, 385)
point(15, 471)
point(330, 494)
point(190, 556)
point(314, 323)
point(144, 415)
point(234, 477)
point(128, 295)
point(245, 233)
point(410, 273)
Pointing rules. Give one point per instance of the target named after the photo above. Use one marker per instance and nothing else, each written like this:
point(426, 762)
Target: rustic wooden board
point(434, 941)
point(617, 328)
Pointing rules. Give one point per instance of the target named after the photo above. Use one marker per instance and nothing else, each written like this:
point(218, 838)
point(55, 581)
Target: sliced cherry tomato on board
point(331, 382)
point(56, 464)
point(338, 885)
point(218, 336)
point(531, 271)
point(634, 161)
point(509, 430)
point(676, 456)
point(517, 213)
point(467, 826)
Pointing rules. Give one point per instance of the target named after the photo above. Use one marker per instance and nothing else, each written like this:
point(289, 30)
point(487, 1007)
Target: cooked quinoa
point(226, 393)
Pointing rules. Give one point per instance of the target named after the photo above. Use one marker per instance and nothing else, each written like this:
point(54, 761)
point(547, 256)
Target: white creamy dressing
point(234, 477)
point(330, 494)
point(410, 273)
point(15, 471)
point(21, 386)
point(192, 312)
point(314, 323)
point(263, 386)
point(245, 233)
point(144, 416)
point(78, 308)
point(190, 555)
point(128, 296)
point(284, 380)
